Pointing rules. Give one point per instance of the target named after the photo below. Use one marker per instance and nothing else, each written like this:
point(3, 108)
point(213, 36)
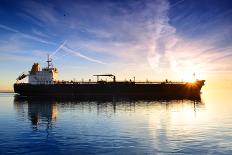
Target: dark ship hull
point(101, 89)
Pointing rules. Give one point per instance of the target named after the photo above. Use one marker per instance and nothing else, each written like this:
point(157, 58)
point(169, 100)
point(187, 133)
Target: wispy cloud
point(146, 36)
point(62, 46)
point(26, 35)
point(8, 28)
point(38, 33)
point(44, 13)
point(141, 33)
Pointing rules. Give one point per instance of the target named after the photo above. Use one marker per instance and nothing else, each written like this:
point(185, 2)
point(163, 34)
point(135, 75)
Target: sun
point(189, 76)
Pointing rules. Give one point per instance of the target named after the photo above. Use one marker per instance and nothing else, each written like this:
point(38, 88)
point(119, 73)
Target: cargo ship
point(44, 82)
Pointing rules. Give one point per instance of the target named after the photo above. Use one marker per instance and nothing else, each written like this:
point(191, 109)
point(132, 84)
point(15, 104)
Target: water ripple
point(112, 127)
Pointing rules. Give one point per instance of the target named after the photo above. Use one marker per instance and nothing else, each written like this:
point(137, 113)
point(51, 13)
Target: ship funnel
point(35, 68)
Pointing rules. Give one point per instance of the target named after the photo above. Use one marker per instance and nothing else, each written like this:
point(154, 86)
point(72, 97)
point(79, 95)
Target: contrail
point(173, 5)
point(70, 51)
point(60, 47)
point(66, 49)
point(64, 54)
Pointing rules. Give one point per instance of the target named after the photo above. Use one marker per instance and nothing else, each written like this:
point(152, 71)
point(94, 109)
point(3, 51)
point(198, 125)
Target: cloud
point(120, 30)
point(62, 46)
point(8, 28)
point(44, 13)
point(39, 33)
point(126, 34)
point(138, 32)
point(26, 35)
point(171, 52)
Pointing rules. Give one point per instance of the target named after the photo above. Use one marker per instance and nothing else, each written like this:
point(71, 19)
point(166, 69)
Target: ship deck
point(118, 82)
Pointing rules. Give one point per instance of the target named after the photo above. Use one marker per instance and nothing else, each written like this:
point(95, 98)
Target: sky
point(150, 40)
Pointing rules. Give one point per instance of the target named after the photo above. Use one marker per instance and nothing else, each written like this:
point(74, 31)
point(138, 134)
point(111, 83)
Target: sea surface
point(117, 126)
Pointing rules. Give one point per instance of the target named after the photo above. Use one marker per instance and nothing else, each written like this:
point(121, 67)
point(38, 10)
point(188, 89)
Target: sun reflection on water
point(165, 126)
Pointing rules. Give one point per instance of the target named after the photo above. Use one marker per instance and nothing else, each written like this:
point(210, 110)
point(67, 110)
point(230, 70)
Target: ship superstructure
point(47, 75)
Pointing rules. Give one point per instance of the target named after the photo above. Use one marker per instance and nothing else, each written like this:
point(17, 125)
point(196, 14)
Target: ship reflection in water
point(45, 111)
point(38, 112)
point(112, 126)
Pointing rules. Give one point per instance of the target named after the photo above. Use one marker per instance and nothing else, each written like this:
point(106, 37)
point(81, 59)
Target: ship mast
point(49, 61)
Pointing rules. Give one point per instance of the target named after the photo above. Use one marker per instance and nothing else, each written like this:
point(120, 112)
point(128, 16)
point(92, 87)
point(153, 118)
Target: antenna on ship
point(49, 61)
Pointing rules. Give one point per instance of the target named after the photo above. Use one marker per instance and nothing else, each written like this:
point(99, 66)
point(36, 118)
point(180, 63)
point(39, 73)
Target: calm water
point(117, 126)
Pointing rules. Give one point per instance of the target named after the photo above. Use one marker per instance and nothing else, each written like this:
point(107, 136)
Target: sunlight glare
point(189, 76)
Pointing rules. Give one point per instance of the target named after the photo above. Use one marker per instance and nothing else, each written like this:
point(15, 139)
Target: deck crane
point(21, 76)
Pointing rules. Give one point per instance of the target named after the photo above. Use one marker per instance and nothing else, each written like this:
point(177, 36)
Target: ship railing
point(122, 82)
point(132, 82)
point(159, 82)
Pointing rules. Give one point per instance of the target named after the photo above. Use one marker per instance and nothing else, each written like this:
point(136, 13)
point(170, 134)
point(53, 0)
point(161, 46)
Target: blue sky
point(150, 39)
